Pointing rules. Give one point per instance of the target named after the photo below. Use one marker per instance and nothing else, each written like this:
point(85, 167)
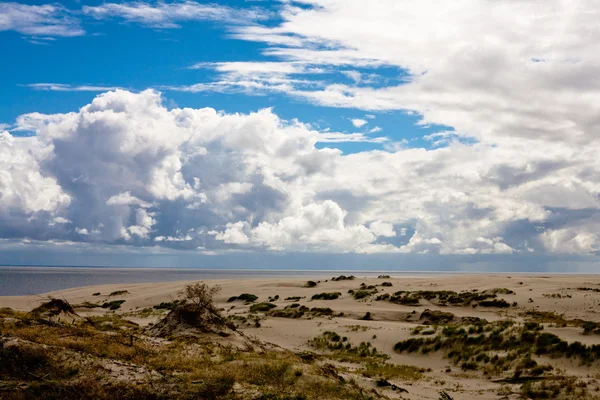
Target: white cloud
point(125, 169)
point(24, 188)
point(338, 137)
point(358, 122)
point(375, 129)
point(61, 87)
point(465, 68)
point(381, 228)
point(167, 15)
point(354, 75)
point(126, 199)
point(43, 22)
point(251, 68)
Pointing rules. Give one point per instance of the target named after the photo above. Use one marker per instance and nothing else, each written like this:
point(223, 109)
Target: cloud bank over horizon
point(125, 169)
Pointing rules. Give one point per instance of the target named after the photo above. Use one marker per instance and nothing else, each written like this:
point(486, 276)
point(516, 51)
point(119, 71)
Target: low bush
point(343, 278)
point(326, 296)
point(119, 293)
point(113, 305)
point(246, 297)
point(262, 307)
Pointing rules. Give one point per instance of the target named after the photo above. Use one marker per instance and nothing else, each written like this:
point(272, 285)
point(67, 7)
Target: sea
point(24, 280)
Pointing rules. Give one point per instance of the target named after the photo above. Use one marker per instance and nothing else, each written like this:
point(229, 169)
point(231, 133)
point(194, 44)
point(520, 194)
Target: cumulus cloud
point(126, 170)
point(359, 123)
point(44, 21)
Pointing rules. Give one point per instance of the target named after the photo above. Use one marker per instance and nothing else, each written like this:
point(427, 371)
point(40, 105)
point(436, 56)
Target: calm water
point(15, 281)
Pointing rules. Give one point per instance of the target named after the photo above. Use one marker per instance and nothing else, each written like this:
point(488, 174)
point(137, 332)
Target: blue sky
point(154, 57)
point(310, 126)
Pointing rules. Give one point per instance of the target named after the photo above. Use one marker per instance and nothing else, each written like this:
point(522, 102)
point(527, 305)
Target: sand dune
point(571, 297)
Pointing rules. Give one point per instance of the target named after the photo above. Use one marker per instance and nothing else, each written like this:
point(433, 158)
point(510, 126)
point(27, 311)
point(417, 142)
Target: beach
point(374, 317)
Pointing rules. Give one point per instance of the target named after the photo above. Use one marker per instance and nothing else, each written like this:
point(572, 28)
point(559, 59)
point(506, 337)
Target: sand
point(388, 325)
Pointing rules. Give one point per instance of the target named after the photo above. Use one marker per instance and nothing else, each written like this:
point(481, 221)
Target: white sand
point(388, 324)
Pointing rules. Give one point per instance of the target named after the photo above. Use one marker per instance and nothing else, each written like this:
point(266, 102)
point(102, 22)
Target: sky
point(379, 133)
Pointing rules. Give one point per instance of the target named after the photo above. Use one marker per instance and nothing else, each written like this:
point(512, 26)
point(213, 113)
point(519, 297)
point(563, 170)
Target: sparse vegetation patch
point(326, 296)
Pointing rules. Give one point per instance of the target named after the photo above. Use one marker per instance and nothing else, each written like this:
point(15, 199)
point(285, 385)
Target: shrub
point(119, 293)
point(23, 362)
point(391, 371)
point(361, 294)
point(494, 303)
point(216, 387)
point(436, 317)
point(310, 284)
point(86, 304)
point(343, 278)
point(247, 297)
point(367, 317)
point(201, 295)
point(113, 305)
point(169, 305)
point(326, 296)
point(589, 327)
point(262, 307)
point(319, 311)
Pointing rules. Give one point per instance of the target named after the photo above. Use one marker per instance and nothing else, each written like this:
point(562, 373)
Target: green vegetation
point(310, 284)
point(169, 305)
point(591, 327)
point(343, 350)
point(552, 318)
point(113, 305)
point(246, 297)
point(557, 296)
point(119, 293)
point(563, 387)
point(86, 304)
point(343, 278)
point(75, 368)
point(589, 289)
point(362, 293)
point(436, 317)
point(262, 307)
point(500, 346)
point(297, 311)
point(367, 317)
point(494, 303)
point(291, 311)
point(326, 296)
point(487, 298)
point(108, 357)
point(391, 371)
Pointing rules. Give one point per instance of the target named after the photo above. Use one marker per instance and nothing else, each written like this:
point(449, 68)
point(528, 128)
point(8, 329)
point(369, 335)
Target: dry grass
point(392, 371)
point(69, 361)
